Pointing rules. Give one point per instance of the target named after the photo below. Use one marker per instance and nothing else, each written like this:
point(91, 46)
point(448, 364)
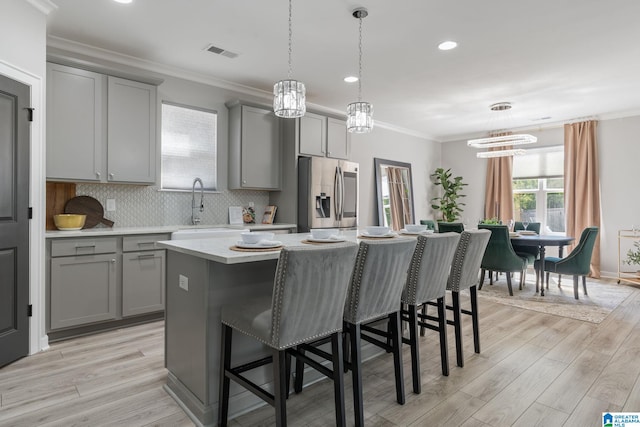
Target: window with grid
point(188, 146)
point(538, 188)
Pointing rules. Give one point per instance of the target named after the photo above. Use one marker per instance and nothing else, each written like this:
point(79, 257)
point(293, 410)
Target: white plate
point(329, 240)
point(403, 231)
point(526, 232)
point(70, 229)
point(258, 245)
point(378, 236)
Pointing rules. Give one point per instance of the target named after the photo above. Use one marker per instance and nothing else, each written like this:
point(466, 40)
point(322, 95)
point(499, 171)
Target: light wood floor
point(534, 369)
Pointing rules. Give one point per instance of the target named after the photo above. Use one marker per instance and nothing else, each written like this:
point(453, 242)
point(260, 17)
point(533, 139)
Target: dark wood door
point(14, 220)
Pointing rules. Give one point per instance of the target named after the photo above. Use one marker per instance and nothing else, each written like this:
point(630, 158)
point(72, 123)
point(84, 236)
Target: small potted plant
point(448, 203)
point(633, 255)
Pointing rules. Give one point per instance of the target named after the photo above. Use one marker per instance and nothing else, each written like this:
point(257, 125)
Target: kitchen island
point(202, 276)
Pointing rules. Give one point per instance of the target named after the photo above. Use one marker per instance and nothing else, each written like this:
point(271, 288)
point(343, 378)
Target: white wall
point(22, 58)
point(423, 155)
point(619, 154)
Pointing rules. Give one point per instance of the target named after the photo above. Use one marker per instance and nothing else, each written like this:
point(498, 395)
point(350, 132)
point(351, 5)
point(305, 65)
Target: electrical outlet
point(250, 204)
point(111, 205)
point(183, 282)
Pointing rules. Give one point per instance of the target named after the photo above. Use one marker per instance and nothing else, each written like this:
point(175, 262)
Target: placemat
point(309, 242)
point(377, 238)
point(239, 249)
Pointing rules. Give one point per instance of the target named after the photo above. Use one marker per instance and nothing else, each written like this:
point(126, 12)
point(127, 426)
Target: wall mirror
point(394, 187)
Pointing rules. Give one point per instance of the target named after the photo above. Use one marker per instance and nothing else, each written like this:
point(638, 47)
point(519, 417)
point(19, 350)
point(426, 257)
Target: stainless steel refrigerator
point(327, 193)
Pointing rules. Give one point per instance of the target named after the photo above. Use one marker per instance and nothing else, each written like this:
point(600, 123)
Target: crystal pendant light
point(289, 94)
point(359, 114)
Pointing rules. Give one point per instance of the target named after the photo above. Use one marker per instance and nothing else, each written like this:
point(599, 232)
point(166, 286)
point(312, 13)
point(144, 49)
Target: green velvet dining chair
point(431, 224)
point(500, 256)
point(577, 263)
point(446, 227)
point(529, 252)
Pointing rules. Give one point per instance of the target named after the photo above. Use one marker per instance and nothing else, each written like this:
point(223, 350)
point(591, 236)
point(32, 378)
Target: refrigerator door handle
point(336, 193)
point(341, 194)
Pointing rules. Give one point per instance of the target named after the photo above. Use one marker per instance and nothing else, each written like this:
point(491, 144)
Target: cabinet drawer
point(84, 246)
point(144, 242)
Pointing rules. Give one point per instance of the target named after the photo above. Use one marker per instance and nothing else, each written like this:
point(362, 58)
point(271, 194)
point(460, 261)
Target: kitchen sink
point(205, 233)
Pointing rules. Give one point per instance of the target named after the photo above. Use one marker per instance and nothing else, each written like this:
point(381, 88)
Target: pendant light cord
point(290, 37)
point(360, 63)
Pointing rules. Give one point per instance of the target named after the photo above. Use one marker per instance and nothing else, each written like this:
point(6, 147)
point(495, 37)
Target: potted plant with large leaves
point(449, 202)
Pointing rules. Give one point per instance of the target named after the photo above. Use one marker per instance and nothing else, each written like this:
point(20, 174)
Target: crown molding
point(71, 47)
point(80, 54)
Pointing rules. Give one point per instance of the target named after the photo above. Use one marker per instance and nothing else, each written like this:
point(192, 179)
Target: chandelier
point(501, 140)
point(360, 113)
point(289, 94)
point(501, 153)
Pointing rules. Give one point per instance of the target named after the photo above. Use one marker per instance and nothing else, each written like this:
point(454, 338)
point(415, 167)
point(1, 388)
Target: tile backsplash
point(138, 206)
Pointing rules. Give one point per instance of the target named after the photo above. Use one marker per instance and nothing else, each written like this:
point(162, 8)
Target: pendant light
point(359, 114)
point(289, 94)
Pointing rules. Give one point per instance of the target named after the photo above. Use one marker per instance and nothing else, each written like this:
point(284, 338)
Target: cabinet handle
point(146, 243)
point(110, 176)
point(98, 175)
point(85, 246)
point(113, 261)
point(141, 256)
point(244, 181)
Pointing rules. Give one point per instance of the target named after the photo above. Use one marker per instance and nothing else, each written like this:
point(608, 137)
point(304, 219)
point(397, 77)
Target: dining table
point(542, 241)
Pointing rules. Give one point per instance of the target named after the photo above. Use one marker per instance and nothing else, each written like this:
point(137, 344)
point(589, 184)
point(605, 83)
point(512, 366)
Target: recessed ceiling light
point(448, 45)
point(123, 1)
point(351, 79)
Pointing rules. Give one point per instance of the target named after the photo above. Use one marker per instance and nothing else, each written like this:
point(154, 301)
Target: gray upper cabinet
point(313, 135)
point(255, 154)
point(75, 117)
point(99, 128)
point(323, 136)
point(131, 131)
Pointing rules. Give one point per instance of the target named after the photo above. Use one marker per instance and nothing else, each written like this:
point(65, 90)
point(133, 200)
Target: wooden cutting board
point(89, 206)
point(58, 193)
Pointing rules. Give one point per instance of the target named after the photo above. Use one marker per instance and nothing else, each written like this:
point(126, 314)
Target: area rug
point(604, 297)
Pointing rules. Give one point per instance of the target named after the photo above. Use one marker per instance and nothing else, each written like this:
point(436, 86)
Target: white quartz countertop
point(119, 231)
point(219, 249)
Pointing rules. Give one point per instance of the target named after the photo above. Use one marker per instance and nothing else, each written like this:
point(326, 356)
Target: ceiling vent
point(219, 51)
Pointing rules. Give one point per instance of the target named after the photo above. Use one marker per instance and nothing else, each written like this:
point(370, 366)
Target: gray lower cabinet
point(143, 275)
point(103, 279)
point(83, 289)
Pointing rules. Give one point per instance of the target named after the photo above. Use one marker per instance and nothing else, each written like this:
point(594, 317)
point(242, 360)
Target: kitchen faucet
point(196, 210)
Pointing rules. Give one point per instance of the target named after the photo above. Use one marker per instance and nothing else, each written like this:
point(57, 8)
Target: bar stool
point(378, 279)
point(464, 275)
point(426, 282)
point(307, 303)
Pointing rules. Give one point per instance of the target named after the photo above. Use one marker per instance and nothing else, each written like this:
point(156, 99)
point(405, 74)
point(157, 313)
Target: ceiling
point(553, 60)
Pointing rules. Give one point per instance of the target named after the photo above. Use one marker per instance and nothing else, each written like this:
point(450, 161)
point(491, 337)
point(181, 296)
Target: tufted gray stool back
point(378, 278)
point(466, 261)
point(308, 297)
point(429, 269)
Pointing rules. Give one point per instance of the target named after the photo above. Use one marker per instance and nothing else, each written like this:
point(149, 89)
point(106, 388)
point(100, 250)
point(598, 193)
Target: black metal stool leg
point(396, 338)
point(338, 378)
point(225, 365)
point(280, 389)
point(415, 349)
